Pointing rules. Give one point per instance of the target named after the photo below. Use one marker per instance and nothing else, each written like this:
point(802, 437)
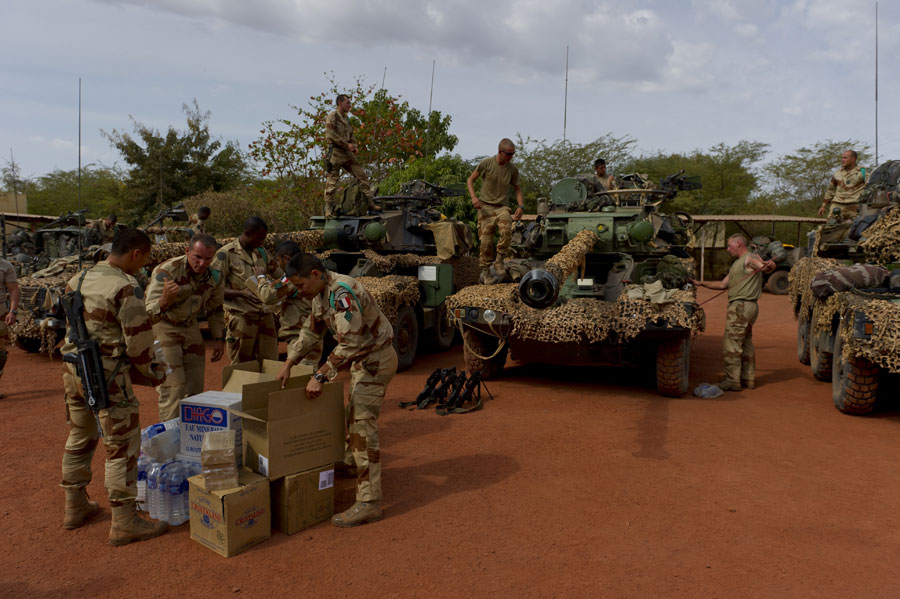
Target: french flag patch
point(342, 303)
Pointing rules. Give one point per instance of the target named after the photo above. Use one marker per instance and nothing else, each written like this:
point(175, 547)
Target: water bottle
point(160, 427)
point(153, 490)
point(160, 357)
point(143, 467)
point(175, 483)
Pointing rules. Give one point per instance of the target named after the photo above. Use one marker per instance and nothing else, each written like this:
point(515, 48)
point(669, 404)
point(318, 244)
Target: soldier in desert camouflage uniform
point(844, 188)
point(9, 285)
point(744, 285)
point(493, 211)
point(115, 317)
point(106, 227)
point(342, 152)
point(294, 307)
point(181, 289)
point(197, 222)
point(250, 324)
point(364, 336)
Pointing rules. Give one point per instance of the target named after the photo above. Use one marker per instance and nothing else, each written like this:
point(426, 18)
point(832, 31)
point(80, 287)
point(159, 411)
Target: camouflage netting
point(307, 240)
point(801, 276)
point(387, 263)
point(581, 319)
point(571, 256)
point(825, 311)
point(881, 242)
point(883, 347)
point(27, 327)
point(160, 252)
point(391, 292)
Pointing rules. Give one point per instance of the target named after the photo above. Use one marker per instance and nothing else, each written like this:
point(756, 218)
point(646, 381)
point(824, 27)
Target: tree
point(103, 190)
point(166, 169)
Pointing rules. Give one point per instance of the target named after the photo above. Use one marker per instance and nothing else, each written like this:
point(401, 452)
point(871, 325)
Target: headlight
point(489, 316)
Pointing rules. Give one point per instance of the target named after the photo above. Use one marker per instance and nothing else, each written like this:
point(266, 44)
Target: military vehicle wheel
point(803, 338)
point(673, 359)
point(440, 336)
point(820, 353)
point(32, 345)
point(406, 337)
point(479, 352)
point(854, 383)
point(778, 282)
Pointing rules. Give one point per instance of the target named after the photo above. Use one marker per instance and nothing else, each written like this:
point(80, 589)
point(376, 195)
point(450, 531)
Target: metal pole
point(876, 83)
point(80, 242)
point(566, 95)
point(430, 96)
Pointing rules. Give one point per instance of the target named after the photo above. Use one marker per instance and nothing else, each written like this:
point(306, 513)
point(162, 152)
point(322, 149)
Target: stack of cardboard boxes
point(289, 445)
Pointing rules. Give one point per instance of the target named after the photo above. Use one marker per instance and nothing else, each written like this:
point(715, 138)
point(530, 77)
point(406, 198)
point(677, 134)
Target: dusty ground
point(576, 482)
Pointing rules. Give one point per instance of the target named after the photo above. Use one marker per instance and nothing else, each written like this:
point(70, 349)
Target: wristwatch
point(320, 378)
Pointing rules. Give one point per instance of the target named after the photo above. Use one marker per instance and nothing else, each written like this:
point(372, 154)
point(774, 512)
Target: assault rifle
point(87, 360)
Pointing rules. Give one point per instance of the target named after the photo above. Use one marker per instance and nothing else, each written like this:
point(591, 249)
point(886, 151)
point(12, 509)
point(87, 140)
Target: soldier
point(250, 325)
point(603, 181)
point(106, 227)
point(341, 155)
point(744, 285)
point(365, 342)
point(493, 211)
point(294, 307)
point(115, 317)
point(9, 285)
point(198, 222)
point(844, 188)
point(181, 289)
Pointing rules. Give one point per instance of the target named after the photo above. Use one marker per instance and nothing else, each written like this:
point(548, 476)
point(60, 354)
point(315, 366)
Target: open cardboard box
point(232, 520)
point(235, 376)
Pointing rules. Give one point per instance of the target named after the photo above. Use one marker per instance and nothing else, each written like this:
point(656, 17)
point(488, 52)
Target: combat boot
point(748, 384)
point(374, 207)
point(359, 513)
point(127, 526)
point(726, 385)
point(78, 508)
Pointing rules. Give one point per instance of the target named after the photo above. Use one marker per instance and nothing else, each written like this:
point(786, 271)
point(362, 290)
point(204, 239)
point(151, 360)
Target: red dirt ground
point(572, 483)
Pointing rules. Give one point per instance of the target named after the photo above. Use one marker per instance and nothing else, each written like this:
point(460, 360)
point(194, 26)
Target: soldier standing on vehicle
point(844, 188)
point(603, 181)
point(365, 342)
point(744, 285)
point(180, 290)
point(198, 222)
point(106, 227)
point(250, 325)
point(9, 308)
point(341, 155)
point(115, 317)
point(493, 210)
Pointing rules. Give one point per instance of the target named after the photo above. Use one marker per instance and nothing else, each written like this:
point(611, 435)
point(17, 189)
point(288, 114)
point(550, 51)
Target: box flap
point(255, 398)
point(288, 403)
point(240, 378)
point(227, 371)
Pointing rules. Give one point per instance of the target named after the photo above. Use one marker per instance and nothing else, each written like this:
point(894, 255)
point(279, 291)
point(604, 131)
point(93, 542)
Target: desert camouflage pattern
point(737, 343)
point(7, 276)
point(391, 292)
point(859, 276)
point(364, 337)
point(197, 224)
point(339, 134)
point(844, 187)
point(116, 318)
point(880, 242)
point(106, 233)
point(178, 331)
point(294, 311)
point(882, 348)
point(491, 219)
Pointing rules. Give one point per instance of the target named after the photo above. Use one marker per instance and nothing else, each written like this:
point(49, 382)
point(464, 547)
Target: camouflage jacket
point(197, 225)
point(106, 233)
point(350, 312)
point(237, 267)
point(199, 294)
point(115, 317)
point(339, 134)
point(845, 186)
point(294, 307)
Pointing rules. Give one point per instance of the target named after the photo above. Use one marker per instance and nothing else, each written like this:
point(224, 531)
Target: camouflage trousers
point(4, 341)
point(368, 380)
point(333, 176)
point(251, 337)
point(848, 211)
point(737, 346)
point(491, 219)
point(185, 355)
point(121, 436)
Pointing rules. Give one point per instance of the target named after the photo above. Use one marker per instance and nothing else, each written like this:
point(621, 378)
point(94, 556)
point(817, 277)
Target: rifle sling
point(122, 358)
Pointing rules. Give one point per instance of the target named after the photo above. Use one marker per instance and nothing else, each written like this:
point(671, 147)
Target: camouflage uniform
point(106, 233)
point(250, 325)
point(178, 331)
point(294, 311)
point(843, 192)
point(7, 276)
point(364, 337)
point(494, 214)
point(339, 134)
point(196, 224)
point(116, 318)
point(744, 290)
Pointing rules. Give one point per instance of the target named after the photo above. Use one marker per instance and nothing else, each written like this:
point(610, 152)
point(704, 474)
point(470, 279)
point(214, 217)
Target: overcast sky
point(674, 75)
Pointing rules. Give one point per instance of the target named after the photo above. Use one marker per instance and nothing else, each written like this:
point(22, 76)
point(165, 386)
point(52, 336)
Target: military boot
point(359, 513)
point(374, 207)
point(726, 385)
point(748, 384)
point(78, 508)
point(127, 526)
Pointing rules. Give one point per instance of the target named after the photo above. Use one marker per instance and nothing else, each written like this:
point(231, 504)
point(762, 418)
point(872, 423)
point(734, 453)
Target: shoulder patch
point(139, 292)
point(161, 277)
point(220, 255)
point(262, 252)
point(215, 275)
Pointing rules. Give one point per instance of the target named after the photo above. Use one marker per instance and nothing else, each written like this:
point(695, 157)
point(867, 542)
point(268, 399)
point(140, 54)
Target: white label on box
point(263, 465)
point(428, 273)
point(326, 479)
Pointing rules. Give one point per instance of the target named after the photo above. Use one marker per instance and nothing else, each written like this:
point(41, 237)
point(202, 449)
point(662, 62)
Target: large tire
point(484, 346)
point(778, 282)
point(673, 360)
point(32, 345)
point(406, 337)
point(441, 335)
point(854, 383)
point(821, 348)
point(803, 337)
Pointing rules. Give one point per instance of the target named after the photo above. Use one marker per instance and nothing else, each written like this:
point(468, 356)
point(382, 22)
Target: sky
point(674, 75)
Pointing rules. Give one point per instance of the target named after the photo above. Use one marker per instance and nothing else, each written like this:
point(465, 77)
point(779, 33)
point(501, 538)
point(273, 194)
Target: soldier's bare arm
point(520, 203)
point(13, 289)
point(470, 183)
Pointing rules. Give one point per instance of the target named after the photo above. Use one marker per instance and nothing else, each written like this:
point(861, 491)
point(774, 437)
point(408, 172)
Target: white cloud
point(748, 31)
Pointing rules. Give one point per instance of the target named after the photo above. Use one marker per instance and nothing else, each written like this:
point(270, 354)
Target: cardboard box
point(232, 520)
point(189, 461)
point(235, 377)
point(209, 411)
point(284, 432)
point(303, 499)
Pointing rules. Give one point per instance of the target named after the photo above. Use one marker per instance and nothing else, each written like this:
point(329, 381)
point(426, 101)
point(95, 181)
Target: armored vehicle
point(602, 279)
point(846, 298)
point(408, 255)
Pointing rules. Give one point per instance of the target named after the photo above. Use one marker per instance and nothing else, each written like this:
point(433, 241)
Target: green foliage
point(446, 171)
point(230, 209)
point(166, 169)
point(102, 192)
point(434, 131)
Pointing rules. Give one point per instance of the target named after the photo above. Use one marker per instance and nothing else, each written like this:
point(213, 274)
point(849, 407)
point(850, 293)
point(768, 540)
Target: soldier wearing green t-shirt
point(744, 285)
point(493, 209)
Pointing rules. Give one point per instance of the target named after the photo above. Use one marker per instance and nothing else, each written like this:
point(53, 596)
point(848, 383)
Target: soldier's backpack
point(352, 202)
point(858, 276)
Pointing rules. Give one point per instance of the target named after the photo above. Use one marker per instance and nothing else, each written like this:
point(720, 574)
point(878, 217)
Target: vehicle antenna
point(566, 95)
point(80, 232)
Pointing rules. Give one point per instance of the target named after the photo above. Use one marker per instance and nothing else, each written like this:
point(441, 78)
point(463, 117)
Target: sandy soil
point(572, 482)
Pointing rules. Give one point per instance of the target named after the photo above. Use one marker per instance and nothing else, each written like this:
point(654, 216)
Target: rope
point(471, 351)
